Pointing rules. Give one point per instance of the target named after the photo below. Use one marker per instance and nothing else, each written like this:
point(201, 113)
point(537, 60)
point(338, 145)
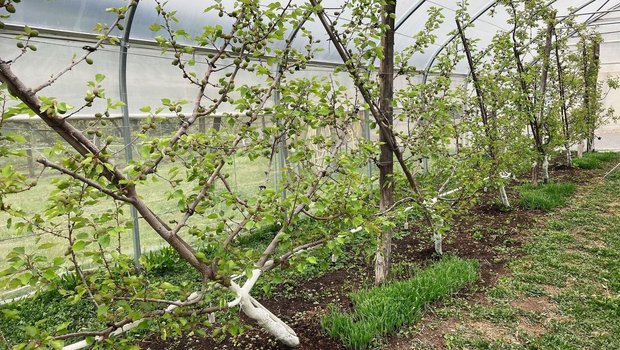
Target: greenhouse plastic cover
point(70, 24)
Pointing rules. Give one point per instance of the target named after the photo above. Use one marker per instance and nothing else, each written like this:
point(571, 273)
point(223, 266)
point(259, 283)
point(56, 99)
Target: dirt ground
point(486, 233)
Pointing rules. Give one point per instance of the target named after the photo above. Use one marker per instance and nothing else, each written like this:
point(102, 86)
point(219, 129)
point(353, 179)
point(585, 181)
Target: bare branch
point(74, 63)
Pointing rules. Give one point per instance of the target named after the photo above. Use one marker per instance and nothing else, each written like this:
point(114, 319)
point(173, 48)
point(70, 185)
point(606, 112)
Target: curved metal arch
point(480, 13)
point(592, 19)
point(595, 18)
point(409, 13)
point(474, 18)
point(599, 9)
point(122, 81)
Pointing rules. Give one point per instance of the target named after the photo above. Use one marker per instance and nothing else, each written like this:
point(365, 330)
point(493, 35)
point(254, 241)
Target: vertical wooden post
point(386, 159)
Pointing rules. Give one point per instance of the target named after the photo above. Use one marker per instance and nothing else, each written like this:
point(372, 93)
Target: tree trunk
point(537, 125)
point(386, 160)
point(438, 239)
point(590, 70)
point(489, 120)
point(535, 170)
point(563, 106)
point(217, 122)
point(545, 169)
point(504, 196)
point(254, 310)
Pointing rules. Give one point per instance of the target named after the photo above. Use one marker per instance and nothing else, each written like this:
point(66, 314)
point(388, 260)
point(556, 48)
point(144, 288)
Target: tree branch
point(89, 182)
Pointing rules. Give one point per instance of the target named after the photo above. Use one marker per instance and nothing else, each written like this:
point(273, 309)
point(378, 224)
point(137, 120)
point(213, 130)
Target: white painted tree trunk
point(380, 268)
point(438, 238)
point(254, 310)
point(545, 169)
point(504, 196)
point(580, 149)
point(535, 174)
point(569, 157)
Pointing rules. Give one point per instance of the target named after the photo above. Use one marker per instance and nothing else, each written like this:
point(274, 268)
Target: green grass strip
point(382, 310)
point(594, 160)
point(546, 197)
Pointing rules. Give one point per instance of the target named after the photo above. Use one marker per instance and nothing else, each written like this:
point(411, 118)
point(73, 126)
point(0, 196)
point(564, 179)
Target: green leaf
point(78, 245)
point(155, 27)
point(104, 240)
point(46, 246)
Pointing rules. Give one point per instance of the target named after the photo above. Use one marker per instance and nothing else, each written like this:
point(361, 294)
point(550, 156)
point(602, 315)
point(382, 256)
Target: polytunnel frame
point(126, 125)
point(126, 40)
point(427, 70)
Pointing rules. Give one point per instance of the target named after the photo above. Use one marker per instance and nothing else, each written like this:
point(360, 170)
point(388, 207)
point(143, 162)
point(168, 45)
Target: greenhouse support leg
point(122, 70)
point(611, 171)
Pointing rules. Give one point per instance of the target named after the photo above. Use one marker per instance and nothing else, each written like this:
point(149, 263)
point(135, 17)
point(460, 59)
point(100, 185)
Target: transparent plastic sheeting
point(151, 77)
point(80, 16)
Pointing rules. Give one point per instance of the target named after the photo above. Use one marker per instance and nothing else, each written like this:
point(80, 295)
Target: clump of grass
point(384, 309)
point(594, 160)
point(545, 197)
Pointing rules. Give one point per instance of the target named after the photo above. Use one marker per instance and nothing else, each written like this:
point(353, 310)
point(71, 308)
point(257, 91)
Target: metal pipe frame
point(587, 22)
point(474, 18)
point(408, 14)
point(126, 125)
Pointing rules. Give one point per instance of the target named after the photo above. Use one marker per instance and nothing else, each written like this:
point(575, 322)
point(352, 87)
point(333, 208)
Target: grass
point(246, 178)
point(545, 197)
point(48, 310)
point(563, 292)
point(382, 310)
point(594, 160)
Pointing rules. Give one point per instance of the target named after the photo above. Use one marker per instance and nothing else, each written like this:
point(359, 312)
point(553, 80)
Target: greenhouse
point(313, 174)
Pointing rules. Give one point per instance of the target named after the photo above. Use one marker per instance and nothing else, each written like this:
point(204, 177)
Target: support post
point(122, 81)
point(386, 160)
point(29, 152)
